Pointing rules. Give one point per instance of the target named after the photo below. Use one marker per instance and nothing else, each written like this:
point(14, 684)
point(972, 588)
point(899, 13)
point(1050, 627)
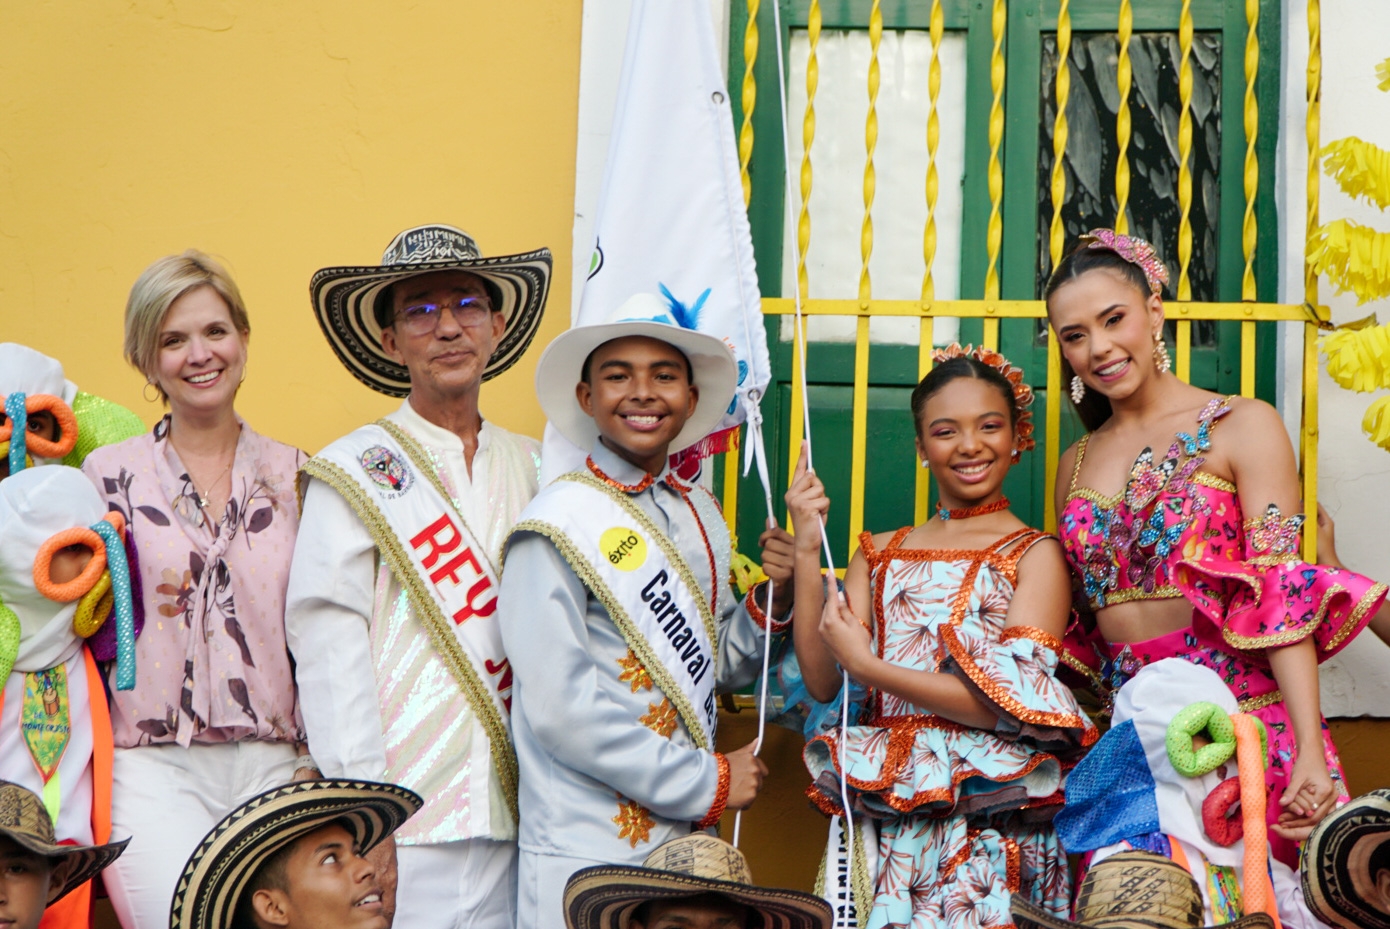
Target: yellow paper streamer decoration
point(1383, 72)
point(1355, 258)
point(1376, 423)
point(1358, 359)
point(1360, 169)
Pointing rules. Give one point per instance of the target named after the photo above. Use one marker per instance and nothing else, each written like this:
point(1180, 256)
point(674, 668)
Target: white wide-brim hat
point(713, 369)
point(345, 300)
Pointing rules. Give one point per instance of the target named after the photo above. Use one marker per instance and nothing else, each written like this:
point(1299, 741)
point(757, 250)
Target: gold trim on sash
point(655, 667)
point(673, 554)
point(446, 644)
point(425, 465)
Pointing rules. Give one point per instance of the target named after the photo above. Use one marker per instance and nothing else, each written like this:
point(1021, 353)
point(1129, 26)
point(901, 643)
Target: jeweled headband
point(1134, 250)
point(1023, 394)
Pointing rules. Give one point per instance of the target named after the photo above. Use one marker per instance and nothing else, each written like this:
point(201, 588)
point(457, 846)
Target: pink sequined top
point(1178, 531)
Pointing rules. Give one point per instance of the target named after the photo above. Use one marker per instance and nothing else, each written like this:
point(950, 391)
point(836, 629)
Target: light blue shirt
point(585, 755)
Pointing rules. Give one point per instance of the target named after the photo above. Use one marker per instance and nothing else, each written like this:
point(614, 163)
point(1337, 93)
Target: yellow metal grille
point(991, 309)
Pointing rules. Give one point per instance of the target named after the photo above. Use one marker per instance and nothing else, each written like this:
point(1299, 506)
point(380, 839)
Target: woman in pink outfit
point(213, 718)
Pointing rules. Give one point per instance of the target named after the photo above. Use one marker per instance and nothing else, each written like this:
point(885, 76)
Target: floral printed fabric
point(1124, 547)
point(939, 873)
point(962, 805)
point(212, 665)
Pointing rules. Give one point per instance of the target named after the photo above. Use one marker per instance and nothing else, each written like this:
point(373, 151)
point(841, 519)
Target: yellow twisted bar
point(750, 99)
point(1184, 291)
point(1052, 427)
point(745, 155)
point(925, 334)
point(1249, 228)
point(1123, 77)
point(1056, 234)
point(859, 423)
point(994, 233)
point(938, 25)
point(866, 232)
point(1308, 438)
point(803, 228)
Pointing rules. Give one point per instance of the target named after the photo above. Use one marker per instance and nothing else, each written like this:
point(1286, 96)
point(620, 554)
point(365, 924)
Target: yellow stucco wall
point(282, 137)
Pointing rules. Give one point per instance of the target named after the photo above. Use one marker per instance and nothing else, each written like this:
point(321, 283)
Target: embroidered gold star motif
point(660, 717)
point(634, 822)
point(633, 673)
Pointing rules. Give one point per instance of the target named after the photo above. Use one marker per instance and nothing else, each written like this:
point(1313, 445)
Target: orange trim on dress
point(1001, 696)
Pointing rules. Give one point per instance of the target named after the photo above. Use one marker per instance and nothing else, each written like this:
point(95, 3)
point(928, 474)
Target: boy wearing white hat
point(617, 614)
point(59, 572)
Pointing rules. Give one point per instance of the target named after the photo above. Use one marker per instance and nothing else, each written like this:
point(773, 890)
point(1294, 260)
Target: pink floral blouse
point(211, 661)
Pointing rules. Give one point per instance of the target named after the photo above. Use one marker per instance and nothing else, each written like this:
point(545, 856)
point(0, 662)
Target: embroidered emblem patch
point(623, 547)
point(633, 673)
point(386, 469)
point(660, 717)
point(634, 822)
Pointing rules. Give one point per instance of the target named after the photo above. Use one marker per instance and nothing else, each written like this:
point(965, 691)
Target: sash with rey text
point(390, 483)
point(644, 582)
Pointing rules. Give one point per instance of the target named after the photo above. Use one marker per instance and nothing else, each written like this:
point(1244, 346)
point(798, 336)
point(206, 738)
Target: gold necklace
point(202, 498)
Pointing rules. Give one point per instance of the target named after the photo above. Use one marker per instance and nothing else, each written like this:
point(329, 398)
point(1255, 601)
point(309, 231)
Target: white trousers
point(167, 798)
point(456, 885)
point(541, 889)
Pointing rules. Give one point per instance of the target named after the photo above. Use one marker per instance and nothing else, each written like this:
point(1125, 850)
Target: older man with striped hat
point(392, 605)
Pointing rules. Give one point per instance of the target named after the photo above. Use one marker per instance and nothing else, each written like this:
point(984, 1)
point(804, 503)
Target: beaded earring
point(1161, 360)
point(924, 463)
point(1078, 389)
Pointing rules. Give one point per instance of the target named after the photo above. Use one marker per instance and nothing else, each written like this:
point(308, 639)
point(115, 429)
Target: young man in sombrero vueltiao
point(617, 610)
point(392, 606)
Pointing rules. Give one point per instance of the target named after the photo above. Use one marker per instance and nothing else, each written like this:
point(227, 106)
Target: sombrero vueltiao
point(713, 368)
point(345, 300)
point(1133, 890)
point(606, 896)
point(221, 867)
point(25, 821)
point(1338, 883)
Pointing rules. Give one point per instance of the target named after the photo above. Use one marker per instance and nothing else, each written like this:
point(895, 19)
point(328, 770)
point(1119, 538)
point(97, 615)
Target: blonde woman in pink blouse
point(213, 718)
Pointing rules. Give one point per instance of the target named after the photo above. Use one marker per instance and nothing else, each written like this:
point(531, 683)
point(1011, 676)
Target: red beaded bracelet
point(721, 795)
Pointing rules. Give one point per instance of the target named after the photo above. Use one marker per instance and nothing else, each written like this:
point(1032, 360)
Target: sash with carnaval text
point(644, 582)
point(388, 480)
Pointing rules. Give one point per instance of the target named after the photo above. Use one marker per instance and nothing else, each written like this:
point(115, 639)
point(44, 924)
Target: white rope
point(842, 913)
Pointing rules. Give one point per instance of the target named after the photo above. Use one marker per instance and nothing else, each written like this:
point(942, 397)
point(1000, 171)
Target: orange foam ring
point(67, 427)
point(1257, 891)
point(78, 535)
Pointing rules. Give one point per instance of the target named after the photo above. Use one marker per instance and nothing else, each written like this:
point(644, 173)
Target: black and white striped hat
point(345, 300)
point(223, 864)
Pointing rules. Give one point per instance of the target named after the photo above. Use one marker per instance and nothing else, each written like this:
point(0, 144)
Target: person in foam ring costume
point(1169, 778)
point(62, 572)
point(59, 423)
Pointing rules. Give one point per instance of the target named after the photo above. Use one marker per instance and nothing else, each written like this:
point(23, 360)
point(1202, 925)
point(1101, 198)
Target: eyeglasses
point(420, 318)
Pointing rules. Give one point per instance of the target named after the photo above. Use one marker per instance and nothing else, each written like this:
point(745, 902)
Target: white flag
point(671, 218)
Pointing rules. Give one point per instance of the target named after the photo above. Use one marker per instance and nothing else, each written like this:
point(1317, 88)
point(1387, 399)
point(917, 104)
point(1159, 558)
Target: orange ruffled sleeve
point(1016, 676)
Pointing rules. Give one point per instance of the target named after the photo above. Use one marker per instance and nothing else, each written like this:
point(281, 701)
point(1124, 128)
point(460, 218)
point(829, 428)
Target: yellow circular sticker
point(623, 547)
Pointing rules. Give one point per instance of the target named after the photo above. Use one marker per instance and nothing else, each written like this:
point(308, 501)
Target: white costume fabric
point(23, 369)
point(34, 505)
point(608, 769)
point(378, 702)
point(1151, 699)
